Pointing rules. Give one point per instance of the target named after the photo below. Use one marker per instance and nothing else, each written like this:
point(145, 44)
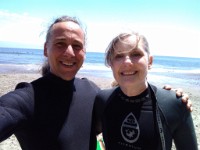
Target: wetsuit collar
point(59, 81)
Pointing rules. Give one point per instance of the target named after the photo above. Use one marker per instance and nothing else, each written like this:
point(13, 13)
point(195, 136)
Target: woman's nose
point(127, 59)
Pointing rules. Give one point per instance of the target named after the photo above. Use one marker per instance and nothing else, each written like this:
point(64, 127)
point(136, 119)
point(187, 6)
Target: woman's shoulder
point(170, 105)
point(106, 93)
point(167, 97)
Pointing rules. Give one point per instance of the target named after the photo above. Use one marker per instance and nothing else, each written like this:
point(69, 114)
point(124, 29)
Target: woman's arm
point(185, 137)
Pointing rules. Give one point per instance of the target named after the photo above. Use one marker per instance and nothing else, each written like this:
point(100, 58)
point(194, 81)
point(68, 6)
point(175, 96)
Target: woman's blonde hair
point(121, 38)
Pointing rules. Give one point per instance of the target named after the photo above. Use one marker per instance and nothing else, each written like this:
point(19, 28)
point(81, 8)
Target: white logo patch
point(130, 129)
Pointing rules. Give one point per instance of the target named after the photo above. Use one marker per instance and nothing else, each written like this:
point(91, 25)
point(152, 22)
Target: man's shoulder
point(86, 83)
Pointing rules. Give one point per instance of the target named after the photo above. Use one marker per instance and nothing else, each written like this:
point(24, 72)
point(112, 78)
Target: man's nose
point(69, 51)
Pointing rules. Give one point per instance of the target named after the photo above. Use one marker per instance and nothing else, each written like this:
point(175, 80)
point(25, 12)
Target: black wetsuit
point(49, 114)
point(148, 121)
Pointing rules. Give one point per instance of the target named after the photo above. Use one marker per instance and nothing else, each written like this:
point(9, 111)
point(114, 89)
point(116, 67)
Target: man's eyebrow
point(64, 39)
point(60, 38)
point(79, 42)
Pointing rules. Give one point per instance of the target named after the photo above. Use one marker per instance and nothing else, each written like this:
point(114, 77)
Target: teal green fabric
point(98, 146)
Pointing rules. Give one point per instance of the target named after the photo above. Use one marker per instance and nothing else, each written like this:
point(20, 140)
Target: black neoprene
point(173, 120)
point(49, 114)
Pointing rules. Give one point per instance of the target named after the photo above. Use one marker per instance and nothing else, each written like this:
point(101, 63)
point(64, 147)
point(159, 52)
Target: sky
point(172, 27)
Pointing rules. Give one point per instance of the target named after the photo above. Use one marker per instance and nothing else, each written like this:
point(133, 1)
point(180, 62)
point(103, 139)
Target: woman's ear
point(150, 62)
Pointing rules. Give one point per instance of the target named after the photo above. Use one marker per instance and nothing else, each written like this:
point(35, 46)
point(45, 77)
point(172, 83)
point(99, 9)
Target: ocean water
point(18, 60)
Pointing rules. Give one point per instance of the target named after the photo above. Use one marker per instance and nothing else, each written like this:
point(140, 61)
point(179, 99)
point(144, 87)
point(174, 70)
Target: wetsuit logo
point(130, 129)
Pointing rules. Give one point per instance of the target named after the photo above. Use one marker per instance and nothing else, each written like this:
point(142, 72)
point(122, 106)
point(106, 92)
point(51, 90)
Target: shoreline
point(9, 80)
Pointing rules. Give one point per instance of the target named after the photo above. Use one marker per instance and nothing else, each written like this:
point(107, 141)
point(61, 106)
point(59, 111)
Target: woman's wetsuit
point(149, 121)
point(49, 113)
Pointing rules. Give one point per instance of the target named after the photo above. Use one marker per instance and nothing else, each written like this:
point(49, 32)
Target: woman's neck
point(134, 90)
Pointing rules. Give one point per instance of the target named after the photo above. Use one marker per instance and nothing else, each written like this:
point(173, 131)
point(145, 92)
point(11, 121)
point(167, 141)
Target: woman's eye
point(118, 56)
point(136, 55)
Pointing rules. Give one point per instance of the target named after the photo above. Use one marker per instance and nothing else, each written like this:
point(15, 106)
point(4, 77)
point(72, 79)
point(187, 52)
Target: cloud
point(164, 38)
point(21, 28)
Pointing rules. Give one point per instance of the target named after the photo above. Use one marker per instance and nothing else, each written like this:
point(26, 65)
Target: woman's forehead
point(126, 43)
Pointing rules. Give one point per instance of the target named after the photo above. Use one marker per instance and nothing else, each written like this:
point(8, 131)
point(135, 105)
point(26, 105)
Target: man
point(53, 112)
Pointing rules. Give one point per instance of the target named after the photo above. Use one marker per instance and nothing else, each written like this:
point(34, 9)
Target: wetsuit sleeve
point(178, 119)
point(184, 135)
point(15, 108)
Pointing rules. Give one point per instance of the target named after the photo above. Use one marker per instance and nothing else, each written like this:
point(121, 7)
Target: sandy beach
point(8, 82)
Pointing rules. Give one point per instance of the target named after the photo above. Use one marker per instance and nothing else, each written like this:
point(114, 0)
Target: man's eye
point(77, 47)
point(60, 44)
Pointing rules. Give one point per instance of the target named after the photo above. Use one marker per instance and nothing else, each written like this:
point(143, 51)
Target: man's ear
point(150, 62)
point(45, 49)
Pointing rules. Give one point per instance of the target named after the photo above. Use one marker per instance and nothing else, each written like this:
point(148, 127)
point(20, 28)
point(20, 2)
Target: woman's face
point(130, 67)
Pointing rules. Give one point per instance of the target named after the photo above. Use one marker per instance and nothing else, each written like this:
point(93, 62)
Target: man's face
point(65, 49)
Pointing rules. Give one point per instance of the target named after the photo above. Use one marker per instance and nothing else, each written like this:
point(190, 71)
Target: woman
point(137, 115)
